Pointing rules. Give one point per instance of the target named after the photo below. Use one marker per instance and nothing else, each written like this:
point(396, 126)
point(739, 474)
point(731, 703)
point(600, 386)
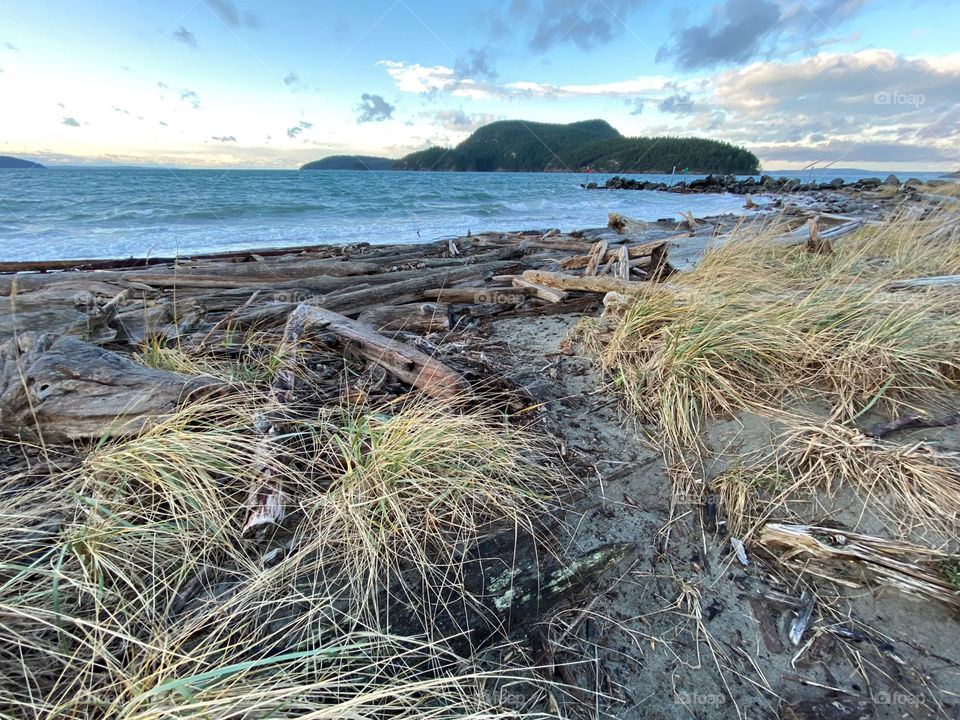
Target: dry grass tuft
point(913, 485)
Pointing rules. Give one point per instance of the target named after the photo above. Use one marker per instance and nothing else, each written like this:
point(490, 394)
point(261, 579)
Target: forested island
point(7, 162)
point(519, 146)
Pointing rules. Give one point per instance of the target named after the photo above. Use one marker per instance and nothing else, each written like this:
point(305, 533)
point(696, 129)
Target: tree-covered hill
point(11, 162)
point(350, 162)
point(518, 146)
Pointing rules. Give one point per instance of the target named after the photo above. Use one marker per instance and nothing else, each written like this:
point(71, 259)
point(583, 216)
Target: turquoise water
point(67, 213)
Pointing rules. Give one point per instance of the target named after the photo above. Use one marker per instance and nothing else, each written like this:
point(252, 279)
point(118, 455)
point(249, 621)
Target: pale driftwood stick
point(544, 293)
point(608, 266)
point(623, 263)
point(815, 243)
point(691, 221)
point(597, 254)
point(587, 284)
point(935, 281)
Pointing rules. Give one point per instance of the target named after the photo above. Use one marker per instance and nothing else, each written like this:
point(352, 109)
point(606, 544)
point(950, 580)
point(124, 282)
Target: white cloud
point(414, 78)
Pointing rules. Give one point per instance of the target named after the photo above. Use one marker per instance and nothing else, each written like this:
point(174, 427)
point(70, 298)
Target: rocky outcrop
point(749, 184)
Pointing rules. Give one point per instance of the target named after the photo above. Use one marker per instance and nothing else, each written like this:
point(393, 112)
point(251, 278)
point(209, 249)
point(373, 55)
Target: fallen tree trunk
point(509, 584)
point(61, 389)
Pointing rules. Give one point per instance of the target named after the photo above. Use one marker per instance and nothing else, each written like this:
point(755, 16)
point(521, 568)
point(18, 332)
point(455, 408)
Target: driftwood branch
point(908, 567)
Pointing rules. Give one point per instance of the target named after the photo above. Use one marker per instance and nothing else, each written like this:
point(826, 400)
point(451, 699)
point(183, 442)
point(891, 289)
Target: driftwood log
point(61, 389)
point(420, 318)
point(623, 225)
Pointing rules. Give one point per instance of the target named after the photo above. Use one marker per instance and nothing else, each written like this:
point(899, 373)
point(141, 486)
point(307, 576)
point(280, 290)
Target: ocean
point(72, 213)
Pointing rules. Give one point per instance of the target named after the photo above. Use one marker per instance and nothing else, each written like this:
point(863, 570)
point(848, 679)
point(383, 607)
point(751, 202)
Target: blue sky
point(247, 83)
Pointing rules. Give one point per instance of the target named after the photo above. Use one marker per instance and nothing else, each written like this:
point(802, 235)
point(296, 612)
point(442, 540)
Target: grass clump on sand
point(762, 327)
point(126, 591)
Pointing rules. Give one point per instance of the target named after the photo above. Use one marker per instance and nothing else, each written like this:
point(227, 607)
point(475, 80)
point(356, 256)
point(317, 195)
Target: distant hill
point(11, 162)
point(518, 146)
point(350, 162)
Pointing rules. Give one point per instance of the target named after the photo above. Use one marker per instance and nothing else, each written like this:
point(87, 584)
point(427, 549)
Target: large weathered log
point(482, 295)
point(623, 225)
point(358, 300)
point(61, 389)
point(934, 281)
point(60, 310)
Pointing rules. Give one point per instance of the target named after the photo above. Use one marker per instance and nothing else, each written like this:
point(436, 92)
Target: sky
point(870, 84)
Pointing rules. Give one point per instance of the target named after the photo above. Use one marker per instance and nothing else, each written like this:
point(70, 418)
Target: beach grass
point(127, 592)
point(774, 330)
